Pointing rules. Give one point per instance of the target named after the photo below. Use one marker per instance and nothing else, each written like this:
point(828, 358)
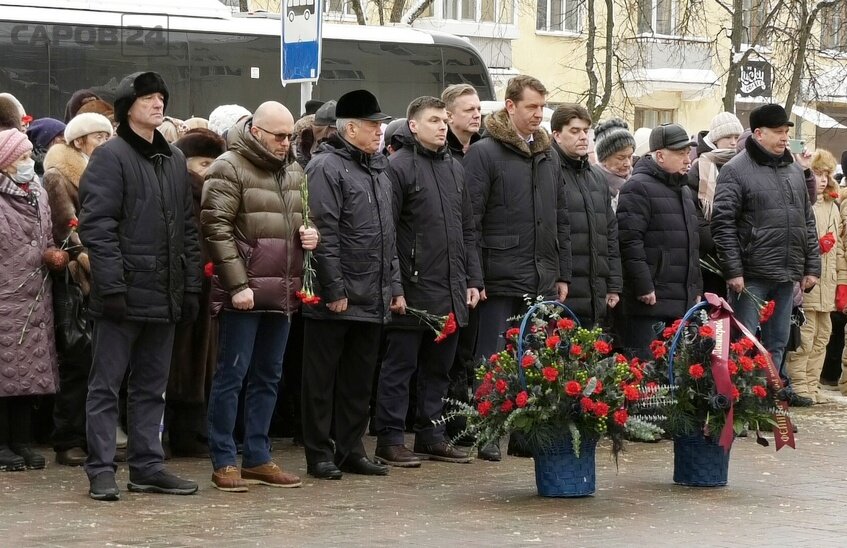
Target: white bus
point(208, 57)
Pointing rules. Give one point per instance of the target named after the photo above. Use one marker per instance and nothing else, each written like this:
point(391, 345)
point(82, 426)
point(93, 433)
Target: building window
point(481, 11)
point(653, 117)
point(657, 17)
point(558, 16)
point(341, 8)
point(753, 18)
point(834, 28)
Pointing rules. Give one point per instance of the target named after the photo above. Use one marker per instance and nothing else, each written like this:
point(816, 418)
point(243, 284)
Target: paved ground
point(794, 498)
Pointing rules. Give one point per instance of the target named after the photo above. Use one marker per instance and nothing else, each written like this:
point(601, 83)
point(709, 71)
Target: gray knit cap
point(611, 137)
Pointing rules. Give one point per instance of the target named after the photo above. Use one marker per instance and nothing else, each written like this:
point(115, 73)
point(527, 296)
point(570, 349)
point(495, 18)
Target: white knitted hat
point(86, 124)
point(225, 116)
point(724, 125)
point(642, 140)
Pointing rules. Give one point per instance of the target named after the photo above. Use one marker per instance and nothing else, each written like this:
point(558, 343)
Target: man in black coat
point(350, 201)
point(439, 272)
point(596, 278)
point(515, 183)
point(137, 221)
point(658, 229)
point(764, 231)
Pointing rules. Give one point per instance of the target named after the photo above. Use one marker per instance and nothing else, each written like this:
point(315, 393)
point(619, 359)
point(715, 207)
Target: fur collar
point(158, 147)
point(67, 160)
point(499, 127)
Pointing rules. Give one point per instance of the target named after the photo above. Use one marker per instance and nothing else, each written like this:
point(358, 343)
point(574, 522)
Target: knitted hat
point(42, 132)
point(138, 85)
point(201, 142)
point(196, 123)
point(98, 106)
point(77, 100)
point(724, 125)
point(611, 137)
point(13, 144)
point(642, 140)
point(9, 114)
point(225, 116)
point(85, 124)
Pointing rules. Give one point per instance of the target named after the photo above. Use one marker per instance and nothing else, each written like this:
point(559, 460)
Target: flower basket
point(559, 473)
point(699, 461)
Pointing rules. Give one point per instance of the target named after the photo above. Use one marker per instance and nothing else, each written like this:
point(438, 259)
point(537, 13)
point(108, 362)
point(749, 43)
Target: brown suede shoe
point(270, 474)
point(396, 455)
point(442, 451)
point(229, 479)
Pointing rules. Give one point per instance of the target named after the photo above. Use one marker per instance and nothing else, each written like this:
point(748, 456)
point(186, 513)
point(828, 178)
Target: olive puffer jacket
point(520, 211)
point(763, 226)
point(350, 204)
point(251, 214)
point(594, 239)
point(658, 228)
point(436, 238)
point(137, 221)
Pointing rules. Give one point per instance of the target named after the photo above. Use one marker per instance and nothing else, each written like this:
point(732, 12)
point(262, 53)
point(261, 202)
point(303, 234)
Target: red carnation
point(26, 119)
point(746, 363)
point(658, 349)
point(483, 390)
point(630, 392)
point(736, 395)
point(587, 405)
point(521, 399)
point(507, 406)
point(450, 327)
point(550, 373)
point(513, 333)
point(833, 195)
point(573, 388)
point(601, 409)
point(761, 361)
point(707, 331)
point(732, 366)
point(759, 391)
point(209, 269)
point(696, 371)
point(565, 323)
point(599, 387)
point(602, 347)
point(620, 358)
point(767, 311)
point(494, 358)
point(484, 408)
point(73, 223)
point(553, 341)
point(576, 350)
point(827, 242)
point(747, 344)
point(501, 386)
point(668, 332)
point(488, 376)
point(620, 416)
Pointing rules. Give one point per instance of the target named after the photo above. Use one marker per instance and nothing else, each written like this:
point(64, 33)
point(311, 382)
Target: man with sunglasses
point(252, 220)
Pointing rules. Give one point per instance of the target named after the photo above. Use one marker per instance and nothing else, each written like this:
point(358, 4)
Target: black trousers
point(494, 314)
point(16, 420)
point(408, 351)
point(339, 357)
point(462, 371)
point(69, 402)
point(637, 332)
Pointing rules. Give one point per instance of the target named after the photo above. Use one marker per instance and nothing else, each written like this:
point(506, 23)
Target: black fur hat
point(134, 86)
point(360, 105)
point(201, 142)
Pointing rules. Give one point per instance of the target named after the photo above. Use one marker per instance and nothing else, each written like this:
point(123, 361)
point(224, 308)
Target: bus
point(210, 57)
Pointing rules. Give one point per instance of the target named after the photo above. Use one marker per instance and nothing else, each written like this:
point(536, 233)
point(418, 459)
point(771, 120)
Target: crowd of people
point(161, 274)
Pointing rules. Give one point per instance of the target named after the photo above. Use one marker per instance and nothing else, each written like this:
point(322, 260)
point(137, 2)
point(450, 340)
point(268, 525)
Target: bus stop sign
point(301, 40)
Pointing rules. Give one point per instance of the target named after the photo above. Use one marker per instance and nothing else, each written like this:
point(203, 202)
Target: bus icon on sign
point(303, 8)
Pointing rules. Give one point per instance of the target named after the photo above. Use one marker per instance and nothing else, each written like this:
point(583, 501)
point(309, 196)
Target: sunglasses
point(278, 137)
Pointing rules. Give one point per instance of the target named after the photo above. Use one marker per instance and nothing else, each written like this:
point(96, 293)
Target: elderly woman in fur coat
point(27, 346)
point(64, 165)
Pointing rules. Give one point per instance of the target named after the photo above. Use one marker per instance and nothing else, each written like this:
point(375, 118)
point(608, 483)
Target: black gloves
point(190, 307)
point(114, 307)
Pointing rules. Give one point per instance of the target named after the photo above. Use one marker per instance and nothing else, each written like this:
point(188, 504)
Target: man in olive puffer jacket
point(252, 220)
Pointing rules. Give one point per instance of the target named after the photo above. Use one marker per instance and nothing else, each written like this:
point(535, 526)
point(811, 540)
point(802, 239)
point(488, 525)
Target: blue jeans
point(775, 331)
point(251, 346)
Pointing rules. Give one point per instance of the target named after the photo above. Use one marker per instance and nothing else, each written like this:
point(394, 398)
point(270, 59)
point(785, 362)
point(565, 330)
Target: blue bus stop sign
point(301, 41)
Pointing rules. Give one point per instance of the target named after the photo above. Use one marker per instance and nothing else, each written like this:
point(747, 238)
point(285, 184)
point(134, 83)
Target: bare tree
point(598, 100)
point(806, 19)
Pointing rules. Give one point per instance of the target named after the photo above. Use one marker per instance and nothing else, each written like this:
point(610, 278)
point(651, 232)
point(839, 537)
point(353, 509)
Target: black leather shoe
point(324, 470)
point(490, 452)
point(33, 459)
point(74, 456)
point(361, 465)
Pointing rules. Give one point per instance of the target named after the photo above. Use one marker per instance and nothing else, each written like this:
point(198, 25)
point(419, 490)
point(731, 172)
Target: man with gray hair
point(350, 202)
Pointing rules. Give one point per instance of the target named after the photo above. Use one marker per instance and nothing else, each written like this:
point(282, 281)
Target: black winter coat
point(594, 239)
point(137, 221)
point(659, 239)
point(763, 226)
point(520, 211)
point(350, 202)
point(436, 238)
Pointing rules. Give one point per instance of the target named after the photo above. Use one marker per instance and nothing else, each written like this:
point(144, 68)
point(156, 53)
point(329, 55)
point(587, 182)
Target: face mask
point(25, 173)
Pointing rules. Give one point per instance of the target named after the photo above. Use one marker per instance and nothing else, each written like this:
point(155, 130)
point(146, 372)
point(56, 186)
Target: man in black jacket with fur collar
point(137, 221)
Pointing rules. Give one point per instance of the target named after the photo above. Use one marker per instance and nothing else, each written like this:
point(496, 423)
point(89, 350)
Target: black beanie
point(201, 142)
point(134, 86)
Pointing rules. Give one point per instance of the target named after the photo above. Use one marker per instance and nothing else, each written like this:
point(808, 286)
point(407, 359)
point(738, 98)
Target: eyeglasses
point(278, 137)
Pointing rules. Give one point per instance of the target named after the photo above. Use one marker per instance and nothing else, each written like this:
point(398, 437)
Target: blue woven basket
point(699, 461)
point(558, 473)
